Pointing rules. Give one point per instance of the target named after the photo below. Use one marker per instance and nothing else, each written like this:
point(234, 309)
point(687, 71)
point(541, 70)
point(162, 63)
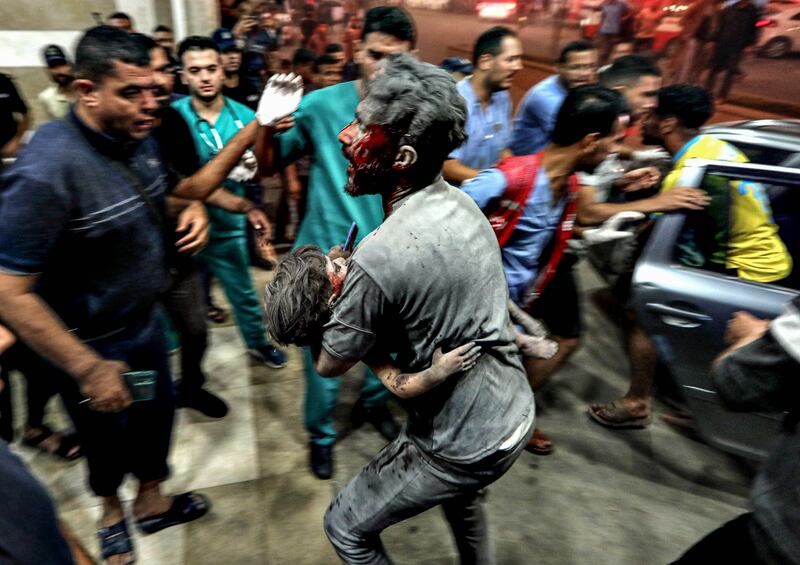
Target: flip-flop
point(185, 508)
point(540, 436)
point(115, 540)
point(615, 415)
point(66, 443)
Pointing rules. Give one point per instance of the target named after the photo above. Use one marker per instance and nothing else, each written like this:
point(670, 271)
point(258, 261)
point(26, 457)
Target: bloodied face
point(372, 151)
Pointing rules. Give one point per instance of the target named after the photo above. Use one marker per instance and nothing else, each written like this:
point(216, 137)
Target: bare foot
point(150, 502)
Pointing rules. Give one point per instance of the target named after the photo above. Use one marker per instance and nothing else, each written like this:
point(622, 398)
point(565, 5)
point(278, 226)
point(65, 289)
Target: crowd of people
point(155, 155)
point(712, 40)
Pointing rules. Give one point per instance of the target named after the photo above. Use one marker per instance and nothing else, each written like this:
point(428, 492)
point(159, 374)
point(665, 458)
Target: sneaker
point(270, 355)
point(206, 403)
point(322, 461)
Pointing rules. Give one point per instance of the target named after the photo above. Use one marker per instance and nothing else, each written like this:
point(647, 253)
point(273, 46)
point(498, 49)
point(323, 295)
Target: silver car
point(685, 310)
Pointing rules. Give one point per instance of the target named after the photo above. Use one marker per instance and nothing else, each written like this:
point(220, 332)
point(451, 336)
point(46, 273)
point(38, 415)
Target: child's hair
point(296, 301)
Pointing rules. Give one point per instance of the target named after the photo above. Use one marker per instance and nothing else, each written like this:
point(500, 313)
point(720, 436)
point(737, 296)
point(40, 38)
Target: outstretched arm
point(205, 181)
point(280, 99)
point(409, 385)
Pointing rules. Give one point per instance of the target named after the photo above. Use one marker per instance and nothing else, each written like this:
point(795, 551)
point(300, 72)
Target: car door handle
point(678, 317)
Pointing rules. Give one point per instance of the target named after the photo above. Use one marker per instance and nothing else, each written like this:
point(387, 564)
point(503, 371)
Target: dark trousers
point(28, 527)
point(39, 388)
point(728, 65)
point(136, 440)
point(730, 543)
point(186, 306)
point(401, 482)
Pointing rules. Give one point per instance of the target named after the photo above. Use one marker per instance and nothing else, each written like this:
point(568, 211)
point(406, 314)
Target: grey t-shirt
point(431, 276)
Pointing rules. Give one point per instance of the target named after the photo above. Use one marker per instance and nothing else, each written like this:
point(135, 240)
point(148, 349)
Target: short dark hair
point(120, 16)
point(490, 41)
point(296, 301)
point(578, 46)
point(145, 41)
point(626, 71)
point(162, 27)
point(332, 48)
point(197, 43)
point(691, 105)
point(587, 109)
point(101, 46)
point(390, 20)
point(303, 56)
point(324, 60)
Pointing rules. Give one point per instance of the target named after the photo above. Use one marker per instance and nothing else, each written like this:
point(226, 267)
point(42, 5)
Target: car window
point(761, 154)
point(750, 230)
point(796, 16)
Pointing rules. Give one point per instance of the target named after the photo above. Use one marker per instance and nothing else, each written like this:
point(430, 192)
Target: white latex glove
point(280, 98)
point(650, 155)
point(610, 229)
point(246, 169)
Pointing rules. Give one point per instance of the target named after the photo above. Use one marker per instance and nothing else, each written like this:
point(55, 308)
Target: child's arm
point(408, 385)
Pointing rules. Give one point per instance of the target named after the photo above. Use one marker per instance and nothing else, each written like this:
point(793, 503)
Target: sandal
point(185, 508)
point(66, 445)
point(115, 540)
point(615, 415)
point(539, 444)
point(217, 314)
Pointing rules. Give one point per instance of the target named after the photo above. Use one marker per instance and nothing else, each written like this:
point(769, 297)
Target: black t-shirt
point(245, 93)
point(179, 156)
point(10, 103)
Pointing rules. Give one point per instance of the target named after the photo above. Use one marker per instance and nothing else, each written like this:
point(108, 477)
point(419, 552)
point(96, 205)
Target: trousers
point(322, 393)
point(137, 439)
point(227, 259)
point(186, 308)
point(401, 482)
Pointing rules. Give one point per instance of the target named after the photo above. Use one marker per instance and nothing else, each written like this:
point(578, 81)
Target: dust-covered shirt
point(432, 276)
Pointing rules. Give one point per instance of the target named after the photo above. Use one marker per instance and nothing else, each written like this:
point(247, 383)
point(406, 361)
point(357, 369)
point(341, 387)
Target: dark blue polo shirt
point(70, 214)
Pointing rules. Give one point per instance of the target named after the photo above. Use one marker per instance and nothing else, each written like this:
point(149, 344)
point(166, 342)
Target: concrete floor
point(603, 497)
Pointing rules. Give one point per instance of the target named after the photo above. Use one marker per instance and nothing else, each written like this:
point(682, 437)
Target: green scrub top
point(208, 141)
point(322, 114)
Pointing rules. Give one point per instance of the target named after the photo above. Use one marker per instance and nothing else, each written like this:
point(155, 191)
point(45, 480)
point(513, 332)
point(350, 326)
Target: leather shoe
point(379, 416)
point(322, 461)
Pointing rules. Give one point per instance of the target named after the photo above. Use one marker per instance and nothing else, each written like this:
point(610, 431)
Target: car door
point(686, 309)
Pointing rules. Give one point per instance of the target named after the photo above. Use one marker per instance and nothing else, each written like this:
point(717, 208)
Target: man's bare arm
point(205, 181)
point(590, 213)
point(27, 315)
point(454, 170)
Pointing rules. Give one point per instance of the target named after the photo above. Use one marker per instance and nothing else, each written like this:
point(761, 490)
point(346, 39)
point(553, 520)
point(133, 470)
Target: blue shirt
point(532, 233)
point(536, 117)
point(322, 114)
point(70, 213)
point(488, 131)
point(208, 141)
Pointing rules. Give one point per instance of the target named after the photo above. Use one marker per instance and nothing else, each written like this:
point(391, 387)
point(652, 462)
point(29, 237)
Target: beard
point(374, 177)
point(64, 80)
point(649, 139)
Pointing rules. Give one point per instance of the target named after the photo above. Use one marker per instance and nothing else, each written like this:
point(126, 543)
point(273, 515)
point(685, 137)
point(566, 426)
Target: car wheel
point(776, 48)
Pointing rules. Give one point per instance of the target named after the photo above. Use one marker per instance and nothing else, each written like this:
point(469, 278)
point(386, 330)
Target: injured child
point(314, 280)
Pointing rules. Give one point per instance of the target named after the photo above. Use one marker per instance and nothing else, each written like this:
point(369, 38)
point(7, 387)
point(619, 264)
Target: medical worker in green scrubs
point(213, 120)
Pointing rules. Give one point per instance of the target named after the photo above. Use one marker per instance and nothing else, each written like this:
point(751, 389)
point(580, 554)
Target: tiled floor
point(635, 497)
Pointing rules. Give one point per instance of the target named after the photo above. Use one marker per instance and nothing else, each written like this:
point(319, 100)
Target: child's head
point(298, 300)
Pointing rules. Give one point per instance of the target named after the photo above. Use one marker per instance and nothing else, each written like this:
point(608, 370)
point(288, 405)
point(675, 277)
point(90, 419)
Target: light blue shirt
point(536, 117)
point(489, 130)
point(532, 233)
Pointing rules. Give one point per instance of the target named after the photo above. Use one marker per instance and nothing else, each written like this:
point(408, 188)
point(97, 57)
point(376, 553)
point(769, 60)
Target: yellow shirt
point(747, 237)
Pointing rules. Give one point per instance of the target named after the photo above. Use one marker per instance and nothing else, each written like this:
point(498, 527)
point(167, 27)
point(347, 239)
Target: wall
point(26, 26)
